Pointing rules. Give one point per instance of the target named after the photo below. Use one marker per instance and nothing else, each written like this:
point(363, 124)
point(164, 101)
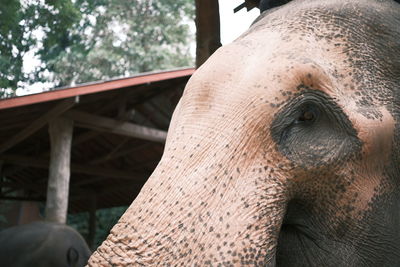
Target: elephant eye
point(312, 130)
point(308, 114)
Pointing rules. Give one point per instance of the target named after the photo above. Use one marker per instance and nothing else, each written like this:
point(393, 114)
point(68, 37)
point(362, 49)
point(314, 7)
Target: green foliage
point(105, 220)
point(10, 44)
point(125, 37)
point(19, 25)
point(79, 221)
point(85, 40)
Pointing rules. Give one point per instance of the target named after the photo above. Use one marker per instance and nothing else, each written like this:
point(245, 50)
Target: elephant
point(282, 151)
point(42, 244)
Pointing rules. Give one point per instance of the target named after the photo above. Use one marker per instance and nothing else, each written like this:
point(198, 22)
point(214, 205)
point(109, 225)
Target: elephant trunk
point(232, 221)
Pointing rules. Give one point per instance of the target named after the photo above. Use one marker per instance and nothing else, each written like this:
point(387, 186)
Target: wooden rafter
point(39, 187)
point(104, 124)
point(11, 170)
point(130, 149)
point(144, 115)
point(111, 153)
point(75, 168)
point(39, 123)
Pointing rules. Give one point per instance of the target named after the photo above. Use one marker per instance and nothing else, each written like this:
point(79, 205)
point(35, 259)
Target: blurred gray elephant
point(42, 244)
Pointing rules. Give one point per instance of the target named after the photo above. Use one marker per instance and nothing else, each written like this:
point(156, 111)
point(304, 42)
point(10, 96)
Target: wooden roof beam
point(39, 123)
point(109, 155)
point(11, 170)
point(104, 124)
point(130, 149)
point(75, 168)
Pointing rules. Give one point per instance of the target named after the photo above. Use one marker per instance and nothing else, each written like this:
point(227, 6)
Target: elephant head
point(283, 150)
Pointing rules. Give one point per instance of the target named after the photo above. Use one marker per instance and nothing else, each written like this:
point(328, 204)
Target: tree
point(20, 21)
point(125, 37)
point(87, 40)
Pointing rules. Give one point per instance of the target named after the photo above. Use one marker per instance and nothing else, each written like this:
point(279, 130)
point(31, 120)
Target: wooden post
point(208, 29)
point(92, 222)
point(60, 131)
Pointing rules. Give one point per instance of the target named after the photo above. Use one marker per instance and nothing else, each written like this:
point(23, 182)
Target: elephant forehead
point(249, 77)
point(346, 49)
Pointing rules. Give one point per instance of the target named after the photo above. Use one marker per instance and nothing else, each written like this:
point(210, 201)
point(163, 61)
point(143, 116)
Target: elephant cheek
point(259, 220)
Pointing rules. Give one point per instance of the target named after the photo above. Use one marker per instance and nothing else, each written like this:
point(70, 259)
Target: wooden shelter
point(118, 131)
point(95, 144)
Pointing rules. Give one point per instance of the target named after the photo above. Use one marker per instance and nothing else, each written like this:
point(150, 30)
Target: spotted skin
point(283, 150)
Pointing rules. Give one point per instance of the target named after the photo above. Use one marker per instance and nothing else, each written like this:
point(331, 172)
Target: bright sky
point(232, 26)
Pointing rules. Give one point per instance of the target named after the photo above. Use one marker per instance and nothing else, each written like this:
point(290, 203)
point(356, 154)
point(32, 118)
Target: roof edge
point(95, 87)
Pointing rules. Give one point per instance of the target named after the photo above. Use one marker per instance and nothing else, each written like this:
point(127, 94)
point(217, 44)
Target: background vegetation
point(105, 220)
point(79, 41)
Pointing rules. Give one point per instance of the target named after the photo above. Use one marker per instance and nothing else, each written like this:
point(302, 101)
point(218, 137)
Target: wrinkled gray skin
point(42, 244)
point(283, 151)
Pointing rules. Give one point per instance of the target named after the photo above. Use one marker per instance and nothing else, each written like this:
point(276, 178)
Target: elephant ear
point(268, 4)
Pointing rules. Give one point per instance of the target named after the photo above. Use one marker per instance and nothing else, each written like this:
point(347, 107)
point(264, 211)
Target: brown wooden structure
point(94, 145)
point(119, 129)
point(208, 36)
